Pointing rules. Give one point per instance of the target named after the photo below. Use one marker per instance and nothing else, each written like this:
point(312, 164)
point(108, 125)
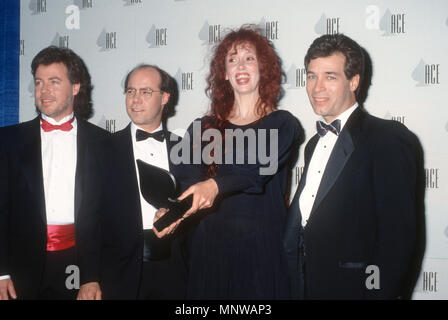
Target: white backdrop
point(407, 42)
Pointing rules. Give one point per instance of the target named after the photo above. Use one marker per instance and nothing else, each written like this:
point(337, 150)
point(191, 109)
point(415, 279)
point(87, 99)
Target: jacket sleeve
point(4, 212)
point(394, 188)
point(88, 227)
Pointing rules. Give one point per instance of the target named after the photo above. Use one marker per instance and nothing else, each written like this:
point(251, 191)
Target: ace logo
point(157, 37)
point(83, 4)
point(427, 74)
point(184, 79)
point(328, 25)
point(210, 33)
point(270, 29)
point(38, 6)
point(393, 24)
point(107, 40)
point(296, 77)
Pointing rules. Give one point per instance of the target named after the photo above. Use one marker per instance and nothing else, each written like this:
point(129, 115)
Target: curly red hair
point(219, 89)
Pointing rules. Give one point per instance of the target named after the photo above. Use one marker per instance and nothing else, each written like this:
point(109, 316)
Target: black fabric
point(154, 248)
point(143, 135)
point(364, 214)
point(23, 225)
point(111, 236)
point(237, 248)
point(156, 285)
point(53, 286)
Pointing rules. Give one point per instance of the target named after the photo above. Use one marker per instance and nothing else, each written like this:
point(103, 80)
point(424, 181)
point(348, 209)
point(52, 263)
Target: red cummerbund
point(60, 237)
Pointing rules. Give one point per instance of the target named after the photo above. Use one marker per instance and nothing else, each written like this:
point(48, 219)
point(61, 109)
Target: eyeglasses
point(144, 92)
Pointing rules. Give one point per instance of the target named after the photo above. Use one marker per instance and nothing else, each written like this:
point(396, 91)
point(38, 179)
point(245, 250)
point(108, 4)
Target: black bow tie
point(143, 135)
point(323, 128)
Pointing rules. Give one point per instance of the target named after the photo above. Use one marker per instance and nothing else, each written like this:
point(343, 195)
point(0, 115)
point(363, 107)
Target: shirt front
point(155, 153)
point(317, 166)
point(59, 150)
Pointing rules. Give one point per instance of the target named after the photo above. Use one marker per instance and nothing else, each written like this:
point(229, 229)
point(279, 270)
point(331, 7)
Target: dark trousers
point(164, 274)
point(162, 280)
point(53, 285)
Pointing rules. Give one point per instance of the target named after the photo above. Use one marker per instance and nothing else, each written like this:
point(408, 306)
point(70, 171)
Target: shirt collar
point(344, 115)
point(63, 120)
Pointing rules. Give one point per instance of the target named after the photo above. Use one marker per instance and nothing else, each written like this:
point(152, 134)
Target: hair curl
point(77, 73)
point(220, 91)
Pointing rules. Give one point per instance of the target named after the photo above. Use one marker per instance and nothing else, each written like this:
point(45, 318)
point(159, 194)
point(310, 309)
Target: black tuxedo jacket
point(364, 214)
point(23, 225)
point(111, 229)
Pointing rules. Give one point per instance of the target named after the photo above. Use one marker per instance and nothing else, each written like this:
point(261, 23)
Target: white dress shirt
point(59, 169)
point(155, 153)
point(317, 165)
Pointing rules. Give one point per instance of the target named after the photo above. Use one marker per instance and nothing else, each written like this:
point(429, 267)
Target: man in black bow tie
point(41, 181)
point(120, 256)
point(351, 226)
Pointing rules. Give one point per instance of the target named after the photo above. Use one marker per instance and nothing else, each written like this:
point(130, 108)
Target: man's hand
point(89, 291)
point(168, 230)
point(204, 194)
point(7, 289)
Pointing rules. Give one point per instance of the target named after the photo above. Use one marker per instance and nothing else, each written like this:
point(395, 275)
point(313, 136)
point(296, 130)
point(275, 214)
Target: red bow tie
point(66, 126)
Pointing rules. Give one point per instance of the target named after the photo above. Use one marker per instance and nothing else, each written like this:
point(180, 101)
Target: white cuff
point(5, 277)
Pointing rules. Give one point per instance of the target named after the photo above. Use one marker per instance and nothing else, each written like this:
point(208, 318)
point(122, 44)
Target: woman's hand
point(204, 194)
point(168, 230)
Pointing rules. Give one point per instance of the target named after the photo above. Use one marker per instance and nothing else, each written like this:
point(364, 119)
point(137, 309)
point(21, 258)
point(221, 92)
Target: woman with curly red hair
point(236, 250)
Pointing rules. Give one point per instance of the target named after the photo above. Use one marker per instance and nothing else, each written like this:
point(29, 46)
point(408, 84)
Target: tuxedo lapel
point(169, 144)
point(341, 153)
point(32, 164)
point(81, 141)
point(125, 153)
point(338, 158)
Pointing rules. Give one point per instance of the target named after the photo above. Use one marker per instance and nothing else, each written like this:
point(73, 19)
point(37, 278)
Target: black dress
point(237, 250)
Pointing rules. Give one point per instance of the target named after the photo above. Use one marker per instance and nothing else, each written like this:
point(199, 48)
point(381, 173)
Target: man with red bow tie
point(41, 181)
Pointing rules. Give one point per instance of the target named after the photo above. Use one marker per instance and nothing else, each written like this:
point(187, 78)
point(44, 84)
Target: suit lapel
point(341, 153)
point(169, 144)
point(32, 164)
point(81, 141)
point(338, 158)
point(123, 140)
